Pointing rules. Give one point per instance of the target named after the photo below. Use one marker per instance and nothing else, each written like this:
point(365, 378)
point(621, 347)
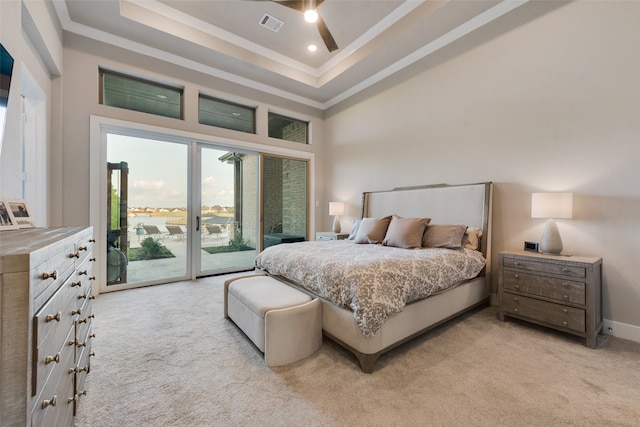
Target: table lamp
point(336, 209)
point(551, 206)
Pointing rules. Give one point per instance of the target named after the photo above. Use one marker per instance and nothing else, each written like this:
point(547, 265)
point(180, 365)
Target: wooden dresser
point(561, 292)
point(45, 329)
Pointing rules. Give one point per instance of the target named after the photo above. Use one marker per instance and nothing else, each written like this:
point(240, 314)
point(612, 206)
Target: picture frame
point(20, 213)
point(6, 217)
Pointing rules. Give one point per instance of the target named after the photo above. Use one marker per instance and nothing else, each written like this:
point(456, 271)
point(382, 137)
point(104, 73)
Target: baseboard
point(621, 330)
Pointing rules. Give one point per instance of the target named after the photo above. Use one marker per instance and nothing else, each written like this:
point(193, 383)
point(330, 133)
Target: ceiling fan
point(304, 6)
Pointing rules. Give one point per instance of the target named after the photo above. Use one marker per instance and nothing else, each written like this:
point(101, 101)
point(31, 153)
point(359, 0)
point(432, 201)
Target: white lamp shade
point(552, 205)
point(336, 208)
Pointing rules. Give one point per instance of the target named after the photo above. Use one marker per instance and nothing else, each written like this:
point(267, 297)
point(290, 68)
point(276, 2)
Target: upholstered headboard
point(468, 204)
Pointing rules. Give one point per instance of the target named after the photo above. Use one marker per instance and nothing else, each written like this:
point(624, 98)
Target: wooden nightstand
point(564, 293)
point(330, 235)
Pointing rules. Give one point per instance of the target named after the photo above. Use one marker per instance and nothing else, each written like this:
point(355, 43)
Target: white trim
point(621, 330)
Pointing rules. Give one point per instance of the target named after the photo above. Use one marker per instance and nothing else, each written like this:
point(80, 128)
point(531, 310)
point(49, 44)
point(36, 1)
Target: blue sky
point(158, 172)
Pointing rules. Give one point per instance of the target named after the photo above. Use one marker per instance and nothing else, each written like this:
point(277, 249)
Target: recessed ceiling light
point(162, 96)
point(235, 114)
point(312, 48)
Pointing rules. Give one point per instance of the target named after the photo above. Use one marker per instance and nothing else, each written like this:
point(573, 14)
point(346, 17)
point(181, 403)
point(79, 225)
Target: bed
point(377, 296)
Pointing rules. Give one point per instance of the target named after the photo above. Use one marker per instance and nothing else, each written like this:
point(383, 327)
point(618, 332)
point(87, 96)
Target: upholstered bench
point(284, 323)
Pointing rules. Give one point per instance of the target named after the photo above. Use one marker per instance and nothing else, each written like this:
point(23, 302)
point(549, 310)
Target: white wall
point(33, 36)
point(544, 104)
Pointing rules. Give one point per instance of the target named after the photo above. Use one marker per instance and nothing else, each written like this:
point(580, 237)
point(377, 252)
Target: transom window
point(226, 114)
point(134, 93)
point(287, 128)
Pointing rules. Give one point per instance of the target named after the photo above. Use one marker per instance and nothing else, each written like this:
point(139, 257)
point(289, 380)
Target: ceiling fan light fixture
point(311, 15)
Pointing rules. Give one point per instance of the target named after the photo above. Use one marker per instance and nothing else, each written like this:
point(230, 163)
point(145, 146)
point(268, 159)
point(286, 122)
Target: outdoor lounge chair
point(152, 231)
point(175, 231)
point(214, 229)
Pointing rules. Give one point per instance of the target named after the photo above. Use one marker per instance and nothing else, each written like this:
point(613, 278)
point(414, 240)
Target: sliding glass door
point(147, 200)
point(177, 210)
point(227, 218)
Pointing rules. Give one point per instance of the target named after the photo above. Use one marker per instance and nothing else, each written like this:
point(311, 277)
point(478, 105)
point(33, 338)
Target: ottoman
point(284, 323)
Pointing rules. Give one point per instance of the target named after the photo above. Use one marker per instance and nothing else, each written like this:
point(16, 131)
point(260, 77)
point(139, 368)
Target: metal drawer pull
point(53, 275)
point(74, 284)
point(83, 393)
point(565, 296)
point(76, 255)
point(92, 278)
point(564, 310)
point(516, 263)
point(92, 297)
point(565, 270)
point(82, 272)
point(73, 399)
point(515, 298)
point(51, 402)
point(517, 276)
point(81, 344)
point(82, 296)
point(93, 353)
point(516, 286)
point(82, 321)
point(72, 342)
point(50, 359)
point(51, 317)
point(91, 316)
point(564, 323)
point(82, 248)
point(78, 311)
point(515, 309)
point(92, 336)
point(92, 240)
point(92, 259)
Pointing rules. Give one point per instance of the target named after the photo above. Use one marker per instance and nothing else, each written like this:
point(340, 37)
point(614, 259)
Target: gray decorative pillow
point(444, 236)
point(405, 232)
point(354, 229)
point(372, 230)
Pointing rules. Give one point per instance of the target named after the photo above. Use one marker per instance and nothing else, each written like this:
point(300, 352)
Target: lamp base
point(336, 224)
point(551, 242)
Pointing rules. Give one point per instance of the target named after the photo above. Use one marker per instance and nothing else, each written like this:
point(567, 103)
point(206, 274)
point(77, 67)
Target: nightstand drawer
point(545, 286)
point(526, 264)
point(544, 312)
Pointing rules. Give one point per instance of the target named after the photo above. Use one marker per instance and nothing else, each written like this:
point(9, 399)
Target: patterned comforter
point(375, 281)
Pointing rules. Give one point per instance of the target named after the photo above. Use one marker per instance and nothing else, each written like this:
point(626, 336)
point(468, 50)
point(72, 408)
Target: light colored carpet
point(165, 356)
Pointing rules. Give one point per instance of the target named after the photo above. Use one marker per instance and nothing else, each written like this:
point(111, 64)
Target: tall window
point(226, 114)
point(133, 93)
point(282, 127)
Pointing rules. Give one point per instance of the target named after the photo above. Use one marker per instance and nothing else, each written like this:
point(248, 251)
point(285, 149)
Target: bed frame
point(445, 204)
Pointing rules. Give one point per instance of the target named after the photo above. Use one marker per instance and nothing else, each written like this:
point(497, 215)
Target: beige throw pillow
point(444, 236)
point(472, 238)
point(405, 232)
point(372, 230)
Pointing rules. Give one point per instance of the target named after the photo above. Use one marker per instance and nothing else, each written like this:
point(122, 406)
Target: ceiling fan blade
point(326, 35)
point(293, 4)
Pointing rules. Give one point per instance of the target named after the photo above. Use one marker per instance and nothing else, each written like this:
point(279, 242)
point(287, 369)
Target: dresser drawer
point(562, 269)
point(545, 286)
point(50, 356)
point(545, 312)
point(54, 405)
